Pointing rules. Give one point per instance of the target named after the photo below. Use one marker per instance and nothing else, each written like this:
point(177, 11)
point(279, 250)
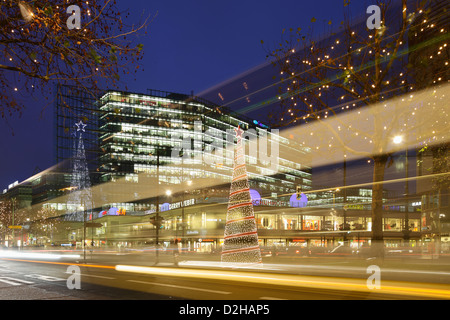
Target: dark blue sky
point(191, 45)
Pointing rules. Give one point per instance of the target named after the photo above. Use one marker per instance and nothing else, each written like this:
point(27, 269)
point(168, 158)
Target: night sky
point(191, 46)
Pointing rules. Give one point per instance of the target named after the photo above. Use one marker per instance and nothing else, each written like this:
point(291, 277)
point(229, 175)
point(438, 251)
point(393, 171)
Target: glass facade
point(172, 155)
point(174, 140)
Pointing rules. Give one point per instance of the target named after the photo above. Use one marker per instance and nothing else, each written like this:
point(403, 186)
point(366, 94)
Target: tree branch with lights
point(348, 72)
point(39, 50)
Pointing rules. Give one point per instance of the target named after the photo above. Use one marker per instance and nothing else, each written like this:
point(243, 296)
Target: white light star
point(80, 126)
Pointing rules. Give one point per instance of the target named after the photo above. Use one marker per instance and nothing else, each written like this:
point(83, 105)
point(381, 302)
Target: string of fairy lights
point(313, 91)
point(30, 19)
point(347, 73)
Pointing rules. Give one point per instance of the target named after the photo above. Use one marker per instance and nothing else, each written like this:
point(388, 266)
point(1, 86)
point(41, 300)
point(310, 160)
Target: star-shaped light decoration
point(80, 126)
point(239, 132)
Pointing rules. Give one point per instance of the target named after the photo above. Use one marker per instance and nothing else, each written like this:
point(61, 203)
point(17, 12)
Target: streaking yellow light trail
point(433, 291)
point(421, 290)
point(35, 255)
point(63, 263)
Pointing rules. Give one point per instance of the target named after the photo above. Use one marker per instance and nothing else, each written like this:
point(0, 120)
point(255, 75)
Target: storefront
point(199, 226)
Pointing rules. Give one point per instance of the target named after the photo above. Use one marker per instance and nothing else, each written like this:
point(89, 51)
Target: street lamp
point(13, 202)
point(398, 140)
point(84, 232)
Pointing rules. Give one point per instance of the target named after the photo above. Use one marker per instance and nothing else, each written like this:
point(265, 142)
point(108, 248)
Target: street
point(35, 281)
point(134, 276)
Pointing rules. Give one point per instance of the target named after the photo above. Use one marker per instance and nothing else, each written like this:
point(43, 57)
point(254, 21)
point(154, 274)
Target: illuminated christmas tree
point(241, 235)
point(80, 199)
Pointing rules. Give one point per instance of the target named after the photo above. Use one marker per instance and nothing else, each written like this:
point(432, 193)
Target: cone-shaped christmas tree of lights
point(241, 235)
point(80, 199)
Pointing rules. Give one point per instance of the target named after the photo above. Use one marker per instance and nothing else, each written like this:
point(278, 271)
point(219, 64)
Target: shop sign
point(176, 205)
point(271, 203)
point(354, 206)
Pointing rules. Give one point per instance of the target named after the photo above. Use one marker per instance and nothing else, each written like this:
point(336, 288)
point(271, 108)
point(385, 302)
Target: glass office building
point(174, 139)
point(172, 154)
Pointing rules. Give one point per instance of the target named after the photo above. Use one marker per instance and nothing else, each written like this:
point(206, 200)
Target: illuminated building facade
point(158, 153)
point(174, 139)
point(139, 136)
point(172, 154)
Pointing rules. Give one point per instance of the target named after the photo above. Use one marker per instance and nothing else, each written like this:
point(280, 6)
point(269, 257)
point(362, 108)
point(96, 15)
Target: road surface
point(116, 276)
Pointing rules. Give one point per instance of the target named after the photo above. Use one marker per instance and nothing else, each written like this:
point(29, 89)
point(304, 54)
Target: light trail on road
point(36, 255)
point(62, 263)
point(388, 289)
point(432, 291)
